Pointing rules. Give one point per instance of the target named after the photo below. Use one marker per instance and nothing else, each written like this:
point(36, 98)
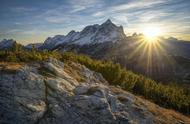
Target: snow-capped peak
point(108, 22)
point(92, 34)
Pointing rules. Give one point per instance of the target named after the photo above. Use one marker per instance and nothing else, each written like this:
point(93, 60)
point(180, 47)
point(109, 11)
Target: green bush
point(12, 58)
point(170, 96)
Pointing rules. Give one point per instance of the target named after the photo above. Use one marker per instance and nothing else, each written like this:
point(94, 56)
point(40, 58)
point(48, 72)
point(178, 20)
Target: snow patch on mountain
point(92, 34)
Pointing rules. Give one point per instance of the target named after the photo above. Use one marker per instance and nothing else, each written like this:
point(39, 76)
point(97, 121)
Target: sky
point(34, 20)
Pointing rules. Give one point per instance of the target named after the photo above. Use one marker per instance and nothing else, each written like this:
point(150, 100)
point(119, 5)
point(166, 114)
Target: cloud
point(87, 3)
point(79, 5)
point(98, 14)
point(66, 14)
point(77, 8)
point(55, 19)
point(123, 8)
point(10, 31)
point(120, 19)
point(136, 5)
point(18, 23)
point(152, 16)
point(23, 9)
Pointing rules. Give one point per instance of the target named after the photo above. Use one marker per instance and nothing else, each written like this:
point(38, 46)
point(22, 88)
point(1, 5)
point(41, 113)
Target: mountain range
point(169, 56)
point(92, 34)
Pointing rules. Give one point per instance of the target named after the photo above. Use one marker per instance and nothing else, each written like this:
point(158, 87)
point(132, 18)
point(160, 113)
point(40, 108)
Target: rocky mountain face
point(93, 34)
point(35, 45)
point(6, 44)
point(53, 92)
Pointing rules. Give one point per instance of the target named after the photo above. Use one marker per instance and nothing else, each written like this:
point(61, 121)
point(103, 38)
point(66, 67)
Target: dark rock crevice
point(47, 109)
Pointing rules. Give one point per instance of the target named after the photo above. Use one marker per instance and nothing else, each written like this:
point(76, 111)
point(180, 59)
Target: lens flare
point(151, 33)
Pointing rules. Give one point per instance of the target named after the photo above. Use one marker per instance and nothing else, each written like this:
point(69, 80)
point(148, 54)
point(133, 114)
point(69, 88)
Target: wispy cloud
point(98, 14)
point(86, 3)
point(55, 19)
point(128, 6)
point(77, 8)
point(79, 5)
point(136, 5)
point(23, 9)
point(11, 31)
point(71, 12)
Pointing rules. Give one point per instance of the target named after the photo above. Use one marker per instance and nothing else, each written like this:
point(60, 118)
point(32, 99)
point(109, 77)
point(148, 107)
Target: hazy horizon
point(34, 21)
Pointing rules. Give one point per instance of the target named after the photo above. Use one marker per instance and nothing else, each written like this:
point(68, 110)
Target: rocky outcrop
point(52, 92)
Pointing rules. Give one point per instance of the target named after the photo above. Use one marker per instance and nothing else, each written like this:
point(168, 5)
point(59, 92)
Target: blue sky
point(35, 20)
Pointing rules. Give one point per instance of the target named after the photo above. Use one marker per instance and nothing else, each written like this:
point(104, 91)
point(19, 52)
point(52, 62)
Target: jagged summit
point(108, 21)
point(71, 32)
point(92, 34)
point(108, 24)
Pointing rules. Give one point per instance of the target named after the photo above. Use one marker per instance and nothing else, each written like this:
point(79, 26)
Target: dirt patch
point(164, 115)
point(10, 67)
point(116, 90)
point(74, 70)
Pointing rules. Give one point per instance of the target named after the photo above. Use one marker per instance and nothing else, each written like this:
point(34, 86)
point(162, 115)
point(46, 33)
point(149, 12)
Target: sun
point(151, 33)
